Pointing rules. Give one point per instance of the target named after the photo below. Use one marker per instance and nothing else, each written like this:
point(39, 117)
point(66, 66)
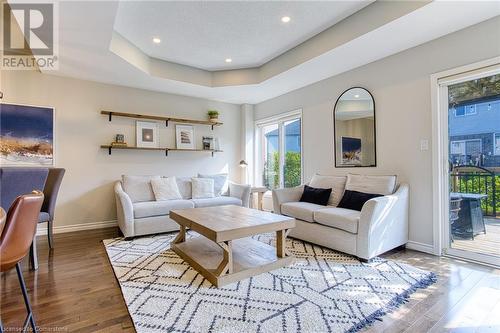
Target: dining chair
point(50, 191)
point(15, 242)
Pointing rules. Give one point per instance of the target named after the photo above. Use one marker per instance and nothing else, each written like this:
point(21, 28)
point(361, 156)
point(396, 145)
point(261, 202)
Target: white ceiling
point(86, 33)
point(203, 34)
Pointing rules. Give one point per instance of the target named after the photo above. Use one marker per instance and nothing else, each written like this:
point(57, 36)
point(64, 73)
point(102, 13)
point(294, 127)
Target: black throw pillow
point(319, 196)
point(355, 200)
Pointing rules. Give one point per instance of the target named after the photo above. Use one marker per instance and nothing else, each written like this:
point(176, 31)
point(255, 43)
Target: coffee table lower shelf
point(244, 258)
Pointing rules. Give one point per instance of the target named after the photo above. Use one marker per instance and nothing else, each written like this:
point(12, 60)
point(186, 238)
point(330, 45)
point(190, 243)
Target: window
point(497, 144)
point(466, 147)
point(457, 147)
point(280, 151)
point(467, 110)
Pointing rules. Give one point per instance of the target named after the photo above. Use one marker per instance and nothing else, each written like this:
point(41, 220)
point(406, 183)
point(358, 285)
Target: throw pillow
point(165, 189)
point(139, 188)
point(336, 183)
point(384, 185)
point(184, 185)
point(202, 188)
point(355, 200)
point(221, 183)
point(319, 196)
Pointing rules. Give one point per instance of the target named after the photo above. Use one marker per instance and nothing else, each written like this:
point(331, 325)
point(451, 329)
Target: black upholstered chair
point(50, 192)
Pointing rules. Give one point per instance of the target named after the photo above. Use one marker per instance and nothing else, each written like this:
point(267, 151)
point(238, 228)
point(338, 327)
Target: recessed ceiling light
point(229, 60)
point(356, 96)
point(156, 40)
point(285, 19)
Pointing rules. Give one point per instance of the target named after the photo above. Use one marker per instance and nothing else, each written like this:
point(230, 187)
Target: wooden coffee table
point(225, 253)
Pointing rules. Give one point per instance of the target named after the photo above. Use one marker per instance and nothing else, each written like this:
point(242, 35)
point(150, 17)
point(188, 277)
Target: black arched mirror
point(354, 129)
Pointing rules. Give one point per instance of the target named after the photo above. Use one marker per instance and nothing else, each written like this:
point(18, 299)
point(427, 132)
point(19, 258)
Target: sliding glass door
point(472, 103)
point(280, 152)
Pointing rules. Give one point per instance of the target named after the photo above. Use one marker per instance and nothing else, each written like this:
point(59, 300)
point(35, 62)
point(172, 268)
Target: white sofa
point(381, 225)
point(139, 213)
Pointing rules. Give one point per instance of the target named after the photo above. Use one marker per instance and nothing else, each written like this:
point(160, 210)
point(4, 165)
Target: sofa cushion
point(159, 208)
point(300, 210)
point(202, 188)
point(336, 183)
point(185, 187)
point(139, 188)
point(165, 188)
point(384, 185)
point(217, 201)
point(340, 218)
point(355, 200)
point(221, 183)
point(319, 196)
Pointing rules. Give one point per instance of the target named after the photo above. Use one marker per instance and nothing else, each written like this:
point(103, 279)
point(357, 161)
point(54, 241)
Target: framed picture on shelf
point(26, 135)
point(208, 142)
point(184, 136)
point(147, 134)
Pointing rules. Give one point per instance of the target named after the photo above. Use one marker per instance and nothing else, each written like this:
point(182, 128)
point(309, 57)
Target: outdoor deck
point(488, 243)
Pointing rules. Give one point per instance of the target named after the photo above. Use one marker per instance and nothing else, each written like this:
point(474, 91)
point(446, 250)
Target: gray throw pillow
point(221, 183)
point(139, 188)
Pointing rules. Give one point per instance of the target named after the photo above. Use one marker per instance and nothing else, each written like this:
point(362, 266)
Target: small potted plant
point(213, 116)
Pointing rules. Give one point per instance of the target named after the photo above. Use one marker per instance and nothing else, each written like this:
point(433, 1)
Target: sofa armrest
point(124, 211)
point(383, 224)
point(283, 195)
point(241, 192)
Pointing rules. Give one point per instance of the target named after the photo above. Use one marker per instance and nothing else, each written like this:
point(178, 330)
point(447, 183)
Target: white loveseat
point(139, 213)
point(381, 225)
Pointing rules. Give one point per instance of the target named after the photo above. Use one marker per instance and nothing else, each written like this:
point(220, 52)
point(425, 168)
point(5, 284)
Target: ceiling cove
point(332, 40)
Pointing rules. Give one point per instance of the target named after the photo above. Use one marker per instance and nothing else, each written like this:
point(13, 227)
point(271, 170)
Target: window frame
point(280, 120)
point(495, 147)
point(465, 145)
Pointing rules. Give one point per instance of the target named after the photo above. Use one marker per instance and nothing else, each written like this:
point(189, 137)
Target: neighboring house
point(292, 138)
point(474, 130)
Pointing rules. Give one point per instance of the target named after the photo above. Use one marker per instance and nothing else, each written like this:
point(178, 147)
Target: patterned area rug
point(324, 291)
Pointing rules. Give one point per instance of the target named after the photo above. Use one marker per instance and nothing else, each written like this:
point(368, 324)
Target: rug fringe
point(394, 304)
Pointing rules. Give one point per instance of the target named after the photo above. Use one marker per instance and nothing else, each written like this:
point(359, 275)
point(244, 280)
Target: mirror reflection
point(354, 125)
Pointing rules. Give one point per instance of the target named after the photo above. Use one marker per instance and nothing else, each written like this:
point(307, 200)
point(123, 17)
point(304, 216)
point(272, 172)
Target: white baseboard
point(421, 247)
point(42, 228)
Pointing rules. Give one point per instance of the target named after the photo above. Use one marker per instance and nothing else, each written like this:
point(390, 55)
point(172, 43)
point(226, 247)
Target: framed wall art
point(184, 137)
point(147, 134)
point(26, 135)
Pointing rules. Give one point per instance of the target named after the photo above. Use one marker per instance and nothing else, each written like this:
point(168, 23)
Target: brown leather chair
point(15, 241)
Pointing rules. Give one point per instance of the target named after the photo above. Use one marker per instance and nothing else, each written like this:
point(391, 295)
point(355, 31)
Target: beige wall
point(87, 191)
point(400, 85)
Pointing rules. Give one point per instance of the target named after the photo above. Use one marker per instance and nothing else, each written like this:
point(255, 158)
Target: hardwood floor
point(75, 290)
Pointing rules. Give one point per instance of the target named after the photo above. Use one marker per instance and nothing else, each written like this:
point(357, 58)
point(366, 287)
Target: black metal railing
point(479, 183)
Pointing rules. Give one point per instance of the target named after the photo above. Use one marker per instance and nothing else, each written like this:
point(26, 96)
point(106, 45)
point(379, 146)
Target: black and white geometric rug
point(324, 291)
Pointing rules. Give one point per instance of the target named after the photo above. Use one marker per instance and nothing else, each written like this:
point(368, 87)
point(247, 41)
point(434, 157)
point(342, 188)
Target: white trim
point(439, 98)
point(42, 227)
point(421, 247)
point(279, 117)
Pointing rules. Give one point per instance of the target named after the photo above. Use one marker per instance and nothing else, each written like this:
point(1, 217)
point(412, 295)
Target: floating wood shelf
point(165, 149)
point(110, 115)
